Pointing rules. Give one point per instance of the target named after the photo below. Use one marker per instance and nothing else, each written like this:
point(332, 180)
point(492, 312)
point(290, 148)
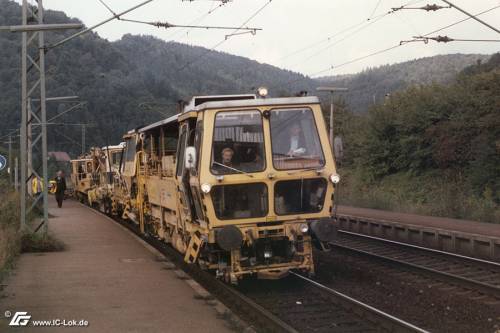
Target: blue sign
point(3, 162)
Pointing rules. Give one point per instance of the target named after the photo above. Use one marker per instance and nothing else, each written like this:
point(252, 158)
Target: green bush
point(432, 149)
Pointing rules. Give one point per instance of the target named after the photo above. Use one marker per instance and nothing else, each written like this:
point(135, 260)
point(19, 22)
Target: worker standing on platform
point(60, 188)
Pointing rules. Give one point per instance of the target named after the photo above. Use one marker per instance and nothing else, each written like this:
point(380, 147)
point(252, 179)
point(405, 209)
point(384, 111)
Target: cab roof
point(222, 104)
point(159, 123)
point(119, 146)
point(232, 102)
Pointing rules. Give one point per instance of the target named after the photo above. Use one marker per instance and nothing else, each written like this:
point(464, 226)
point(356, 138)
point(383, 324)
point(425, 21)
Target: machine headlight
point(262, 91)
point(335, 178)
point(205, 188)
point(304, 228)
point(268, 254)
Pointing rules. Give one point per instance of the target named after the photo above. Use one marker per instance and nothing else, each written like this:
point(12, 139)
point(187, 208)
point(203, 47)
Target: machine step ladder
point(193, 249)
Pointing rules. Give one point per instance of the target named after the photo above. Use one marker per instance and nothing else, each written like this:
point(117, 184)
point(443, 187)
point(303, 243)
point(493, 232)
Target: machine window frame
point(264, 214)
point(130, 142)
point(198, 203)
point(315, 125)
point(198, 142)
point(181, 151)
point(264, 155)
point(323, 180)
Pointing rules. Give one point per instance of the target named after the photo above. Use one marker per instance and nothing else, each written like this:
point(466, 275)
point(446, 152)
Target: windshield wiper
point(234, 169)
point(296, 156)
point(317, 169)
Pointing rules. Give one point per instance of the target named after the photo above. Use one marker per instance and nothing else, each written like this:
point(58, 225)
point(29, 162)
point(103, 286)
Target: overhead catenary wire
point(375, 9)
point(197, 20)
point(190, 63)
point(329, 38)
point(472, 16)
point(167, 25)
point(427, 8)
point(446, 39)
point(462, 20)
point(115, 16)
point(107, 7)
point(356, 59)
point(10, 133)
point(398, 45)
point(329, 46)
point(385, 49)
point(453, 24)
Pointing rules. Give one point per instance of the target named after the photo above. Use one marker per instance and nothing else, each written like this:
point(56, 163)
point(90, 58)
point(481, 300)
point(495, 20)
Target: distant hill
point(372, 84)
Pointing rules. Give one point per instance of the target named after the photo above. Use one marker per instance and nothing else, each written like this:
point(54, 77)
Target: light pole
point(10, 159)
point(332, 90)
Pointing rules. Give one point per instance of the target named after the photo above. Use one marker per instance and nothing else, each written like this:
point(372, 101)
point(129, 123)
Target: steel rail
point(451, 254)
point(393, 323)
point(260, 316)
point(467, 282)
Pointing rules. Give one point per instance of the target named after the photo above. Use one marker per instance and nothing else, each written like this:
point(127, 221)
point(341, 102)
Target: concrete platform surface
point(465, 226)
point(106, 277)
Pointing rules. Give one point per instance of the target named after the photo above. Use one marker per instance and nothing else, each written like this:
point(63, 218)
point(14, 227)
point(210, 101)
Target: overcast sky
point(293, 25)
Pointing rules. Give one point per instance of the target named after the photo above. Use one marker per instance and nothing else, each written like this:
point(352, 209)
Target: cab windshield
point(295, 140)
point(238, 143)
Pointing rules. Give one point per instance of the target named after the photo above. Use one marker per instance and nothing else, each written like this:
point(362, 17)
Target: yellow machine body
point(257, 212)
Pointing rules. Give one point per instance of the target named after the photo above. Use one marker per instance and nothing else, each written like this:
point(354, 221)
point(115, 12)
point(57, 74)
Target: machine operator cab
point(265, 174)
point(110, 159)
point(239, 184)
point(83, 171)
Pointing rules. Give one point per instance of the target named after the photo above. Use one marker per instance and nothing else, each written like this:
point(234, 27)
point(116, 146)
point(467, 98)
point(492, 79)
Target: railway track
point(471, 273)
point(309, 306)
point(270, 310)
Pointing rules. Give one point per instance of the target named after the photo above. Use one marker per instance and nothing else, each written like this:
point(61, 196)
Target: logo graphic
point(20, 319)
point(3, 162)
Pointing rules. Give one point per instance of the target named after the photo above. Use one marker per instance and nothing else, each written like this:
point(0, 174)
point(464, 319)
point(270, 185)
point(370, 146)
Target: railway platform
point(107, 277)
point(470, 238)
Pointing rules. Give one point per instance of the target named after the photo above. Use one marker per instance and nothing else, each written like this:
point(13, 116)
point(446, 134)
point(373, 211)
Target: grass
point(12, 241)
point(430, 194)
point(35, 242)
point(9, 249)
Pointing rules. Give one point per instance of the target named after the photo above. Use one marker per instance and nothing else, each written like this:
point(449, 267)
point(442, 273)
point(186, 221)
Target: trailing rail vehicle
point(82, 171)
point(238, 184)
point(95, 173)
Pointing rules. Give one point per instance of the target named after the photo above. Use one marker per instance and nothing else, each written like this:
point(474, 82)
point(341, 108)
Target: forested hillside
point(138, 79)
point(373, 84)
point(116, 77)
point(431, 149)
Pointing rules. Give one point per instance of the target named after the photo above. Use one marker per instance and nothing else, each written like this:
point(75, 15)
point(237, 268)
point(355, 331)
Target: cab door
point(182, 177)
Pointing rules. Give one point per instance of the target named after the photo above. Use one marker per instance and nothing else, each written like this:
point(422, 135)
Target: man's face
point(295, 130)
point(227, 156)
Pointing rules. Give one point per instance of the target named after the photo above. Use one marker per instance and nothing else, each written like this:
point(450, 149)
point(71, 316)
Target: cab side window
point(238, 142)
point(180, 152)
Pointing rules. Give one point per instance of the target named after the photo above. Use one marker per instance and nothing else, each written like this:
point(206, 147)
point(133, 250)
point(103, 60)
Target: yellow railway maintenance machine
point(107, 175)
point(82, 176)
point(239, 184)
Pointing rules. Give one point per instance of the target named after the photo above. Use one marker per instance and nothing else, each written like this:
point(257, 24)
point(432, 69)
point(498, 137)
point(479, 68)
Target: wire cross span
point(427, 8)
point(168, 25)
point(402, 43)
point(444, 39)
